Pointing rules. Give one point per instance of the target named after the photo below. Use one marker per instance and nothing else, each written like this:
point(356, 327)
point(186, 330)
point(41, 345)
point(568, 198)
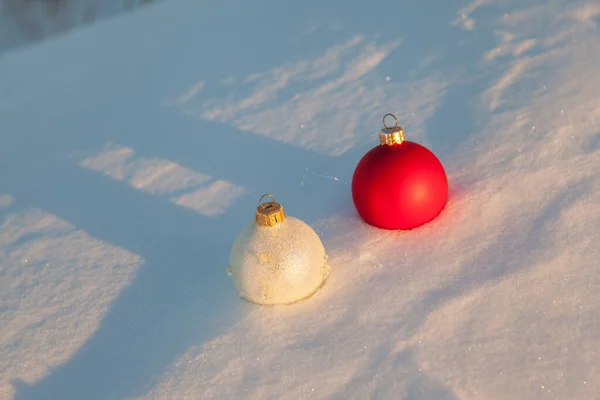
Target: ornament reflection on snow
point(277, 259)
point(399, 184)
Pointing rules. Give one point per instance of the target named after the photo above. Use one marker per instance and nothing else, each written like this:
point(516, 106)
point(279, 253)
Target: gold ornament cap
point(391, 135)
point(270, 213)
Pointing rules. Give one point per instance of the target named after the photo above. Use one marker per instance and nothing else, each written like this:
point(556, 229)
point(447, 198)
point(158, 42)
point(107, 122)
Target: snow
point(133, 151)
point(25, 22)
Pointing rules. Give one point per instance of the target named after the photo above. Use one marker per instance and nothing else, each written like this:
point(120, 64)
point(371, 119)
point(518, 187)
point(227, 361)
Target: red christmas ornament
point(399, 184)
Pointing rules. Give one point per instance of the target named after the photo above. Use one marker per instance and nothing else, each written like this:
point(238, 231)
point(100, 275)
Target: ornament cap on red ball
point(399, 184)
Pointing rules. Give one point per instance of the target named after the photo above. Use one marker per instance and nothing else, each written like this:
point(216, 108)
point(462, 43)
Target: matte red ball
point(399, 187)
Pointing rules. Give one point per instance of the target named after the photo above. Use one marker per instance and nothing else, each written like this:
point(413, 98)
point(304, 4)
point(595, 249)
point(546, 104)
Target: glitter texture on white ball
point(277, 263)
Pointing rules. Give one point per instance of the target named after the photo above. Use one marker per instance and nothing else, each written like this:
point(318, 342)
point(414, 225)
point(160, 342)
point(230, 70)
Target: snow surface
point(133, 151)
point(26, 21)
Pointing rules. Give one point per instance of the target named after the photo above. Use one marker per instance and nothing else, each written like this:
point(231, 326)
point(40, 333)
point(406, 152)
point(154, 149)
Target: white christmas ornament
point(277, 259)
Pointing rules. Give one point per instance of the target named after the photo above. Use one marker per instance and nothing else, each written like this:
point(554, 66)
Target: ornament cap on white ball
point(269, 214)
point(277, 259)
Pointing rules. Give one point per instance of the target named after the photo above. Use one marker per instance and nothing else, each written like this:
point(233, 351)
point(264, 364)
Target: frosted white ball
point(279, 264)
